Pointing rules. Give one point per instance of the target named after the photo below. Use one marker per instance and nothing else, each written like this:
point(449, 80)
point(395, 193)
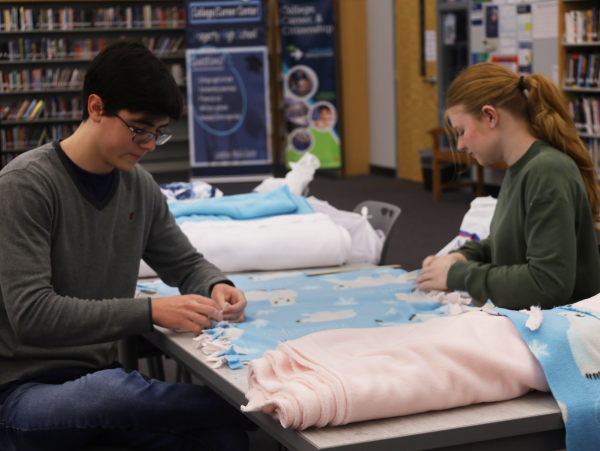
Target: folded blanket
point(281, 242)
point(245, 206)
point(342, 376)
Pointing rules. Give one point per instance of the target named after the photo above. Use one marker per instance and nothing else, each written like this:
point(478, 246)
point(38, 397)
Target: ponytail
point(535, 99)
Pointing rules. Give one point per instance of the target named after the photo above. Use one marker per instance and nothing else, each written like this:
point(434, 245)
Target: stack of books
point(23, 19)
point(582, 70)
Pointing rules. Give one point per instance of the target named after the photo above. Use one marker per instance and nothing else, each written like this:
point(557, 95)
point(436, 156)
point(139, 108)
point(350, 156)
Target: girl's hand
point(434, 274)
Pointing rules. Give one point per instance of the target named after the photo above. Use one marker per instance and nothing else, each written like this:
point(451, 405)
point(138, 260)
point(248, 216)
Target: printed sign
point(228, 88)
point(309, 80)
point(228, 103)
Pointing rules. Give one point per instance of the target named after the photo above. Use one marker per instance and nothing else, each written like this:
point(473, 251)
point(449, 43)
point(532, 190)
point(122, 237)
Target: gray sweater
point(69, 264)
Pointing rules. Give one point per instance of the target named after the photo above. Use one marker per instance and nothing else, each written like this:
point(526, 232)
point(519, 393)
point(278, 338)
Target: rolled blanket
point(343, 376)
point(277, 243)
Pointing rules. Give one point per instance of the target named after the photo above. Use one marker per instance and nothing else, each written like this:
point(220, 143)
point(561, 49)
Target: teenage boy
point(77, 216)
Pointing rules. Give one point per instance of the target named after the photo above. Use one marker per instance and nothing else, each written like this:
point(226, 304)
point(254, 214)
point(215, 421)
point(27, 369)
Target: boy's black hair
point(127, 76)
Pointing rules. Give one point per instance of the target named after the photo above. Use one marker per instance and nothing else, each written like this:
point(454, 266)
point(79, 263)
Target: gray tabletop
point(532, 422)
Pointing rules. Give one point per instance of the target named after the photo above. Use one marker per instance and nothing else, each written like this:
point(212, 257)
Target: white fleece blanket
point(277, 243)
point(343, 376)
point(367, 243)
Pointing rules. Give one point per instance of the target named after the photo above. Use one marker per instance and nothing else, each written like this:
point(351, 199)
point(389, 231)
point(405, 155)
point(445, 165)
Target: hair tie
point(522, 83)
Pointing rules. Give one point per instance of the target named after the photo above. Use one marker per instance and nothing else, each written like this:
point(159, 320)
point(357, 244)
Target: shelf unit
point(591, 140)
point(174, 155)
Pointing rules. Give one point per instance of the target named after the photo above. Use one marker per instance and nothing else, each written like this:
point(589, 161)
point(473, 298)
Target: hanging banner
point(228, 88)
point(309, 80)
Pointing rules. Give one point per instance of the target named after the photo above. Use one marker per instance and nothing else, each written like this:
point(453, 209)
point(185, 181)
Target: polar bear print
point(584, 341)
point(276, 298)
point(321, 317)
point(363, 282)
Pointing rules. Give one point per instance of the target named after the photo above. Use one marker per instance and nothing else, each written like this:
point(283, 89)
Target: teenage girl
point(542, 249)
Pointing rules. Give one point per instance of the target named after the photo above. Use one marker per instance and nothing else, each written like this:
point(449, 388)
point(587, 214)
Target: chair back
point(382, 216)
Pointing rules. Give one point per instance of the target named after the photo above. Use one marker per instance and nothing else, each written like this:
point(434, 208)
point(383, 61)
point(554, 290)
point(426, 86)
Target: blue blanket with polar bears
point(290, 305)
point(567, 344)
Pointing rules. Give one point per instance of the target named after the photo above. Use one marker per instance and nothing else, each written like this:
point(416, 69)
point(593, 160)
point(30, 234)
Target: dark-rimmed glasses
point(142, 136)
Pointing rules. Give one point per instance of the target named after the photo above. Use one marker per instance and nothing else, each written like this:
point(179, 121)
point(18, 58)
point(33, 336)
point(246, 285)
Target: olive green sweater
point(542, 247)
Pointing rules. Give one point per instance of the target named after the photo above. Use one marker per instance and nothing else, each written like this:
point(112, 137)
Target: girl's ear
point(489, 115)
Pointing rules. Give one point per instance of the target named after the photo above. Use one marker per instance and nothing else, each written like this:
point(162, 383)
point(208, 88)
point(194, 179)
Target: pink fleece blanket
point(343, 376)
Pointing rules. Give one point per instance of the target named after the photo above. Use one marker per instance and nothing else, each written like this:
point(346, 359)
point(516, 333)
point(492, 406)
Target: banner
point(228, 88)
point(226, 23)
point(309, 80)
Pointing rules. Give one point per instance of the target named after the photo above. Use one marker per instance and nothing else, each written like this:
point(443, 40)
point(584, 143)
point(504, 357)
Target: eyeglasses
point(141, 136)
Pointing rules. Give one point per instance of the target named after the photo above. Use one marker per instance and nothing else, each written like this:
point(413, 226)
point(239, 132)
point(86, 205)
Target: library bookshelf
point(579, 68)
point(45, 48)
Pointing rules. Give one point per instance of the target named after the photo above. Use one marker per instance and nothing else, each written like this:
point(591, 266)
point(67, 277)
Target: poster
point(491, 21)
point(510, 61)
point(228, 102)
point(525, 55)
point(228, 88)
point(309, 81)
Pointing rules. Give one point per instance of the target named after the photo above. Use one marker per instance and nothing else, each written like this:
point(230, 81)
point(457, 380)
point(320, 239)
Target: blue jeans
point(119, 408)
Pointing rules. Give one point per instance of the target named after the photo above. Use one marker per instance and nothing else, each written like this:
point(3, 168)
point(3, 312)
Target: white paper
point(555, 74)
point(507, 19)
point(430, 45)
point(507, 44)
point(524, 27)
point(545, 20)
point(477, 14)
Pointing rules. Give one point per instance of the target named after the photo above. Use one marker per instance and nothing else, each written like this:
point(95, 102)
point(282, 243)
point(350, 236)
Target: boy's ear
point(95, 107)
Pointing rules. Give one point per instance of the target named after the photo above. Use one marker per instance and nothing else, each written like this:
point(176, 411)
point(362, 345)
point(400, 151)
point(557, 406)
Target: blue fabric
point(566, 346)
point(117, 408)
point(185, 190)
point(297, 305)
point(245, 206)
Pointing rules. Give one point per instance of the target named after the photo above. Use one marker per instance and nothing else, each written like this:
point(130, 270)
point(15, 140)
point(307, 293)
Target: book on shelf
point(583, 70)
point(60, 107)
point(581, 26)
point(56, 49)
point(24, 137)
point(41, 79)
point(593, 146)
point(585, 112)
point(69, 18)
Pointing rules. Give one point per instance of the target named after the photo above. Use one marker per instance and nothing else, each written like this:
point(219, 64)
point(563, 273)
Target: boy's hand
point(223, 293)
point(189, 311)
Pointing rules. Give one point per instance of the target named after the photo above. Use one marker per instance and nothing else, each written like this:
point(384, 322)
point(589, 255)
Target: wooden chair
point(438, 156)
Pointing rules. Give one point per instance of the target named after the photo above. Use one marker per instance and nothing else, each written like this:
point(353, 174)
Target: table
point(532, 422)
